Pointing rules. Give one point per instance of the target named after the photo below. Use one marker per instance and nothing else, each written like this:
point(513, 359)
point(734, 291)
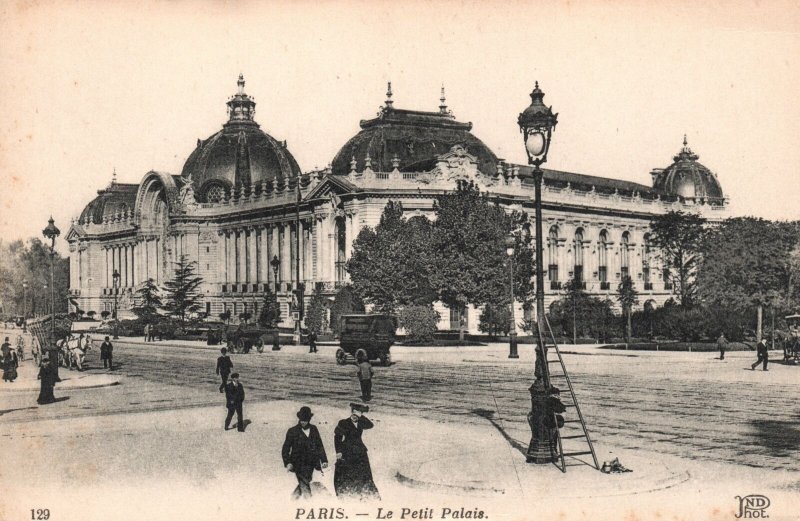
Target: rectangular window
point(578, 274)
point(552, 272)
point(208, 308)
point(602, 274)
point(624, 272)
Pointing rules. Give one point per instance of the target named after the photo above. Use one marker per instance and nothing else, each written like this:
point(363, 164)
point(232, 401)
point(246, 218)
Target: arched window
point(577, 248)
point(341, 252)
point(552, 255)
point(625, 255)
point(602, 259)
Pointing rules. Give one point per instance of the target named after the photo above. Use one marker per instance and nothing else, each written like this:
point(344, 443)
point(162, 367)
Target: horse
point(73, 350)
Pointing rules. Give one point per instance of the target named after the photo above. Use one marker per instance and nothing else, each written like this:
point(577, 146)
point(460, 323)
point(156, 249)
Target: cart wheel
point(341, 356)
point(260, 345)
point(386, 359)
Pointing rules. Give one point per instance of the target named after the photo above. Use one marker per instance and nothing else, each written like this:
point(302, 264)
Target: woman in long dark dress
point(47, 375)
point(353, 474)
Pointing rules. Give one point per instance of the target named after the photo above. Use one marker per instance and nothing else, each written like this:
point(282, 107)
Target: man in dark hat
point(763, 355)
point(234, 394)
point(353, 474)
point(722, 345)
point(107, 354)
point(303, 452)
point(224, 366)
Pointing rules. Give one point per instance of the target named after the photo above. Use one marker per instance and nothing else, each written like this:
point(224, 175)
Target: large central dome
point(411, 138)
point(240, 154)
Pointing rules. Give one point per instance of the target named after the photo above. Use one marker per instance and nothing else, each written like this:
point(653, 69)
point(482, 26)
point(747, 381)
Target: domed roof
point(113, 202)
point(688, 178)
point(239, 154)
point(414, 138)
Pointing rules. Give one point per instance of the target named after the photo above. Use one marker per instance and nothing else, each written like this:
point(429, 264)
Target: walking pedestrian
point(224, 366)
point(21, 347)
point(36, 351)
point(763, 355)
point(303, 452)
point(107, 354)
point(312, 342)
point(48, 377)
point(364, 374)
point(10, 364)
point(353, 474)
point(722, 344)
point(147, 332)
point(234, 394)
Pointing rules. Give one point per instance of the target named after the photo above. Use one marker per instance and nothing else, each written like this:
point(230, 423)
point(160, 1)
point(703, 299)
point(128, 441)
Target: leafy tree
point(627, 297)
point(316, 316)
point(182, 295)
point(495, 319)
point(31, 262)
point(245, 316)
point(679, 237)
point(390, 265)
point(581, 316)
point(91, 314)
point(149, 301)
point(419, 323)
point(469, 250)
point(225, 316)
point(105, 314)
point(270, 315)
point(345, 302)
point(747, 264)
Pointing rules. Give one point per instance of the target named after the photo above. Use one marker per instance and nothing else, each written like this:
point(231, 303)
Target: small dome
point(240, 154)
point(689, 179)
point(413, 138)
point(115, 201)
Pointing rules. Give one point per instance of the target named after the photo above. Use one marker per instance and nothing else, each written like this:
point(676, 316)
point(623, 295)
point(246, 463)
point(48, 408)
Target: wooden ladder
point(572, 404)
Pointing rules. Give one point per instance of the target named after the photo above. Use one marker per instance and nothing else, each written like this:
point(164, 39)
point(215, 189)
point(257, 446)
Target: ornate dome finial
point(241, 107)
point(114, 176)
point(389, 101)
point(240, 83)
point(685, 142)
point(443, 106)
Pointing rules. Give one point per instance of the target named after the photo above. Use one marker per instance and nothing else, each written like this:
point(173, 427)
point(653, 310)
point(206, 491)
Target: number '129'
point(40, 514)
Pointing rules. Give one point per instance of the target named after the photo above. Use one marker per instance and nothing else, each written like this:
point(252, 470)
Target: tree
point(469, 250)
point(679, 237)
point(149, 301)
point(317, 315)
point(270, 315)
point(345, 302)
point(182, 295)
point(31, 262)
point(575, 301)
point(747, 264)
point(225, 316)
point(105, 314)
point(495, 319)
point(390, 265)
point(91, 314)
point(419, 323)
point(627, 297)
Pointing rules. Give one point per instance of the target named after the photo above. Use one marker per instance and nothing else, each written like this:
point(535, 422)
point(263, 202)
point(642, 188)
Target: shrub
point(317, 315)
point(495, 319)
point(419, 323)
point(345, 302)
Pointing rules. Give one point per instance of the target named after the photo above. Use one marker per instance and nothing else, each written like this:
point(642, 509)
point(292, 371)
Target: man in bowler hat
point(303, 452)
point(763, 355)
point(234, 394)
point(224, 366)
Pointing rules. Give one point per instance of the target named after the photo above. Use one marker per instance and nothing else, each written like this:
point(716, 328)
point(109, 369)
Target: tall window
point(625, 258)
point(552, 254)
point(646, 252)
point(341, 252)
point(578, 252)
point(456, 317)
point(602, 257)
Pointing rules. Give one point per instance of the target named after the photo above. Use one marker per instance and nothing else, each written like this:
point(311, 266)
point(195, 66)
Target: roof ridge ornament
point(389, 101)
point(241, 107)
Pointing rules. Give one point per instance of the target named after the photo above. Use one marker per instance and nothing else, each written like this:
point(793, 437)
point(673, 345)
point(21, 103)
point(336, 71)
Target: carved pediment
point(455, 165)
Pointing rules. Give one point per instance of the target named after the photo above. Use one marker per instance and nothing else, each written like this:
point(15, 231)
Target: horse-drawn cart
point(243, 338)
point(791, 339)
point(48, 334)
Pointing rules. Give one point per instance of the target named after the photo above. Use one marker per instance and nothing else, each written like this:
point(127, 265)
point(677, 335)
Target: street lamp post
point(24, 299)
point(536, 123)
point(511, 243)
point(276, 264)
point(51, 232)
point(116, 277)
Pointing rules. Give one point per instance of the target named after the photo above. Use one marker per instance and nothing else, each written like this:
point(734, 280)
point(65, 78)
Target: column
point(158, 259)
point(124, 280)
point(252, 256)
point(286, 255)
point(264, 257)
point(241, 252)
point(131, 266)
point(275, 250)
point(107, 267)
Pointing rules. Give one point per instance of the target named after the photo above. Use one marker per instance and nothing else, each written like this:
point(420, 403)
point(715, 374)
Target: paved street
point(687, 411)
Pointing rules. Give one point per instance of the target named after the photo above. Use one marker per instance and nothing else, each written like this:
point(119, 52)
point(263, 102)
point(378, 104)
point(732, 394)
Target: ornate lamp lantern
point(536, 123)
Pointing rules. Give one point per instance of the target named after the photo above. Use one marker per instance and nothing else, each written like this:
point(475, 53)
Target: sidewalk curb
point(444, 487)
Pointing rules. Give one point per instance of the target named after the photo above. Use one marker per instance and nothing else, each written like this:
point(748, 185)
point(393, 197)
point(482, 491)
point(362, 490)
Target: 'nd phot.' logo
point(753, 506)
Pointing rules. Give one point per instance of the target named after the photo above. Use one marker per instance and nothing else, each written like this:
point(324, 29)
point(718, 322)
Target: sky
point(89, 87)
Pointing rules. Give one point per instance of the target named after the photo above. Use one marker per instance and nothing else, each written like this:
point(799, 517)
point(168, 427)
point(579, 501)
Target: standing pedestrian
point(763, 355)
point(36, 351)
point(364, 374)
point(303, 452)
point(234, 394)
point(107, 354)
point(48, 377)
point(21, 347)
point(224, 366)
point(312, 342)
point(10, 364)
point(353, 474)
point(147, 332)
point(722, 344)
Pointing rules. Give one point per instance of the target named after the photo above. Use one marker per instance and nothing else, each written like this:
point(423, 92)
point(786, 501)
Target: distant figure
point(364, 374)
point(5, 349)
point(224, 366)
point(234, 394)
point(763, 355)
point(107, 354)
point(21, 347)
point(353, 474)
point(36, 351)
point(147, 332)
point(312, 342)
point(303, 452)
point(48, 377)
point(722, 344)
point(10, 364)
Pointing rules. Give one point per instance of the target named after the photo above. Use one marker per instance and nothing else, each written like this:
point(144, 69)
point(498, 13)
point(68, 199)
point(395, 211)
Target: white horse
point(75, 350)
